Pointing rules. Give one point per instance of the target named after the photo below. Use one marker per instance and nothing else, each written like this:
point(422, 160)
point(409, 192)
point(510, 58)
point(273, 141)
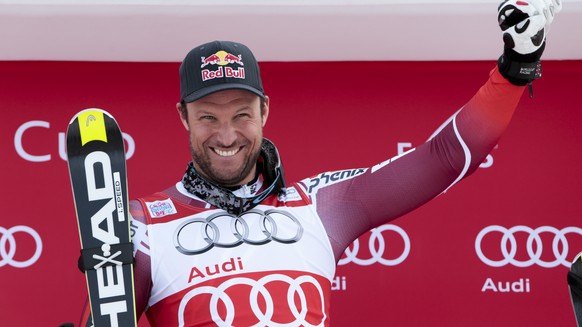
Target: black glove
point(525, 24)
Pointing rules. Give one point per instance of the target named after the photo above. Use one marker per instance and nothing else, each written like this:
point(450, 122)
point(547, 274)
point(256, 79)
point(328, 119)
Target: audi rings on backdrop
point(352, 253)
point(8, 246)
point(534, 254)
point(225, 230)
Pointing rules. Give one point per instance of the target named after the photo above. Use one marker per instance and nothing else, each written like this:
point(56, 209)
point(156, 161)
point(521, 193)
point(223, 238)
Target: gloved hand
point(525, 24)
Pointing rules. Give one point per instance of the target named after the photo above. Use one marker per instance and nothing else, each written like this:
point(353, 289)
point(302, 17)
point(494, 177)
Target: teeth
point(226, 153)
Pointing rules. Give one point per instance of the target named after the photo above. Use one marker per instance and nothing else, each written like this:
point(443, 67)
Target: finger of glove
point(549, 8)
point(512, 12)
point(557, 6)
point(527, 36)
point(552, 8)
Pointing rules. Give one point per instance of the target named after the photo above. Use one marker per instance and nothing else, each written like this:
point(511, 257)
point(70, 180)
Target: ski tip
point(91, 125)
point(86, 111)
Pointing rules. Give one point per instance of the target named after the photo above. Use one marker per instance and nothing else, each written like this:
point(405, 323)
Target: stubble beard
point(221, 178)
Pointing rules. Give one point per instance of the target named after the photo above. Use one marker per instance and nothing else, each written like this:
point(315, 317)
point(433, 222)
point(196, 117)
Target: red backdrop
point(490, 252)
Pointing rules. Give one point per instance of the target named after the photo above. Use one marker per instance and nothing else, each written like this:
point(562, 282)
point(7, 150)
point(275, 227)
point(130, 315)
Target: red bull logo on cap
point(222, 58)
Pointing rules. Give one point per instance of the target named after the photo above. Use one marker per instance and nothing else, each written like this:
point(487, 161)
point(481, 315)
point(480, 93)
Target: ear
point(265, 111)
point(183, 113)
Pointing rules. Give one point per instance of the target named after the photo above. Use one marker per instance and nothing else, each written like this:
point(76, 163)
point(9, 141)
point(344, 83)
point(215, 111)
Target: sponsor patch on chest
point(158, 209)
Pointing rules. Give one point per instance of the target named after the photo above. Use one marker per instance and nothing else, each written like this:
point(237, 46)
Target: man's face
point(226, 131)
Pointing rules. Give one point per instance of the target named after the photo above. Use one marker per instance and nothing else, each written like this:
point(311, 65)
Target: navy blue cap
point(217, 66)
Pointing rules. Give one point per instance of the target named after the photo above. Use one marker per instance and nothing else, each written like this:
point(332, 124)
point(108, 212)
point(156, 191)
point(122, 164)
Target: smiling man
point(232, 244)
point(226, 131)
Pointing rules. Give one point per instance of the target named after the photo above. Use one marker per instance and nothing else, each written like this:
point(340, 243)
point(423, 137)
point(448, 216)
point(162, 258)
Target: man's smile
point(226, 153)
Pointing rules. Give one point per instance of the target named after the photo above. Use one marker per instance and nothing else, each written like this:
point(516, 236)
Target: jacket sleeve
point(401, 184)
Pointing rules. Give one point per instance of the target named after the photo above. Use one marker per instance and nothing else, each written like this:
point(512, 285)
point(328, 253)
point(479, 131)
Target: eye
point(207, 118)
point(243, 115)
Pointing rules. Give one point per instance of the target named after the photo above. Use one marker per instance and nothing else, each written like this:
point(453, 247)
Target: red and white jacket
point(195, 265)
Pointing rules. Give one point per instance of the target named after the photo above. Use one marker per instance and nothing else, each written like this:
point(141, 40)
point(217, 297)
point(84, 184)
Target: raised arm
point(353, 204)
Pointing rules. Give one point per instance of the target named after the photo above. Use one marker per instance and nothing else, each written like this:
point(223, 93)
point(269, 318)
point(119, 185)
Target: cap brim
point(220, 87)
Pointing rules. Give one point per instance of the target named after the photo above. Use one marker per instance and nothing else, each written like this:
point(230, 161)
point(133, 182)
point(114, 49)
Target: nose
point(226, 134)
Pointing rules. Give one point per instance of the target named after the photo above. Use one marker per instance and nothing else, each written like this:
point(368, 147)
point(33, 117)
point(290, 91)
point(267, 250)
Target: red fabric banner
point(492, 251)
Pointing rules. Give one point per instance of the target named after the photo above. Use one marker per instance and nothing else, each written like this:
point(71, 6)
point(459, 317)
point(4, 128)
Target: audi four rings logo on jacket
point(202, 284)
